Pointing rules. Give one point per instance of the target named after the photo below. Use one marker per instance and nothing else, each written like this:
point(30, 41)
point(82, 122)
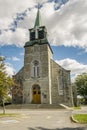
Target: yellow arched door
point(36, 94)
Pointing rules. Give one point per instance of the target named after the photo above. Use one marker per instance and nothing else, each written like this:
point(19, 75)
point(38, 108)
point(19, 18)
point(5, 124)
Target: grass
point(76, 108)
point(8, 115)
point(81, 118)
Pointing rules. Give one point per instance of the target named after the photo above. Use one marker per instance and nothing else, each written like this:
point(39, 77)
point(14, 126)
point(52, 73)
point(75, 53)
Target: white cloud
point(10, 7)
point(5, 22)
point(21, 35)
point(73, 65)
point(9, 69)
point(15, 59)
point(18, 37)
point(29, 20)
point(69, 26)
point(66, 26)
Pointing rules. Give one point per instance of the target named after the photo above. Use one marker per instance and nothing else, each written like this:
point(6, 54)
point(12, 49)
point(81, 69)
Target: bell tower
point(39, 31)
point(38, 34)
point(37, 65)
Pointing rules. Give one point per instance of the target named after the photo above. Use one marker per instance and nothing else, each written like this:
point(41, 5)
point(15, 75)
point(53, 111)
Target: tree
point(6, 82)
point(81, 83)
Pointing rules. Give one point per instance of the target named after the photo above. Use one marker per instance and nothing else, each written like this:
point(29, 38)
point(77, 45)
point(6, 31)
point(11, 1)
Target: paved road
point(40, 120)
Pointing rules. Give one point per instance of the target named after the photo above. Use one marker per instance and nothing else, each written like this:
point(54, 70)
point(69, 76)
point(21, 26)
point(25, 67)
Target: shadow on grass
point(41, 128)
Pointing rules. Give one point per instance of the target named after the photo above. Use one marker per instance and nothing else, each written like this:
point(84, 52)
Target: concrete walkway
point(55, 119)
point(83, 110)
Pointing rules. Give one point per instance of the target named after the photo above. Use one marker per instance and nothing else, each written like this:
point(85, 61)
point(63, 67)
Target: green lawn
point(82, 118)
point(8, 115)
point(76, 108)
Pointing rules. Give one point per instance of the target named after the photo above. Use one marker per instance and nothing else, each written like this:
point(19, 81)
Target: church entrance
point(36, 94)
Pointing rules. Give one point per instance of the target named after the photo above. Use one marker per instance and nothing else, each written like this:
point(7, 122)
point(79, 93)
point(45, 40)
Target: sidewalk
point(83, 110)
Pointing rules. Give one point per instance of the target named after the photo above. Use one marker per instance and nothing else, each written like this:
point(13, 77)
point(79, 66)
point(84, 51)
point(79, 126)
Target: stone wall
point(74, 93)
point(61, 86)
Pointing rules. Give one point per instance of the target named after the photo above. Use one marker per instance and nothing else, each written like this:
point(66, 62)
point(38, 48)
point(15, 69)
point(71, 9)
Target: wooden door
point(36, 95)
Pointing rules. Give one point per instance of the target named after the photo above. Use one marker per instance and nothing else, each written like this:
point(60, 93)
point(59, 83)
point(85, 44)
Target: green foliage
point(8, 99)
point(82, 118)
point(81, 83)
point(6, 82)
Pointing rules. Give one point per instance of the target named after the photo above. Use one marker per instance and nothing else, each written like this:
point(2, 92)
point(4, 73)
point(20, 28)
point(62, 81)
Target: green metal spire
point(38, 19)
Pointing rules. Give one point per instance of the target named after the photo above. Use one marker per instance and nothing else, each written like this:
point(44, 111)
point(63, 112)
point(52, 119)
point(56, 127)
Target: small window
point(32, 36)
point(34, 92)
point(38, 92)
point(60, 85)
point(36, 68)
point(38, 71)
point(34, 71)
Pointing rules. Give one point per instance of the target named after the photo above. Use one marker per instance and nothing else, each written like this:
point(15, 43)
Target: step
point(34, 106)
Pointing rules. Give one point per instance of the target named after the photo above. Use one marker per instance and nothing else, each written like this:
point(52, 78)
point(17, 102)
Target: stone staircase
point(35, 106)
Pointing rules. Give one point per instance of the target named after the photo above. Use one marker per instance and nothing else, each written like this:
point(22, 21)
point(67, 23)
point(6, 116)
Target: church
point(41, 80)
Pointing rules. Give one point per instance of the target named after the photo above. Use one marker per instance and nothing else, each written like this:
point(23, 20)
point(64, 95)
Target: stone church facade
point(41, 80)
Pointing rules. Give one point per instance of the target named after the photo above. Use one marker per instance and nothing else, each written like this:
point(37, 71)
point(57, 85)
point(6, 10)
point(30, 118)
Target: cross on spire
point(39, 5)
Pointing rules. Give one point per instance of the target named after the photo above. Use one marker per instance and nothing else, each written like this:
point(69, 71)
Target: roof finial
point(38, 4)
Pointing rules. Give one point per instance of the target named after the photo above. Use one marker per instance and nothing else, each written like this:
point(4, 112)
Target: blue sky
point(66, 23)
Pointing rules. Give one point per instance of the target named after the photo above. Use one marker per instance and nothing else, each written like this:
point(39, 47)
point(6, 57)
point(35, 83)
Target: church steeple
point(38, 34)
point(38, 22)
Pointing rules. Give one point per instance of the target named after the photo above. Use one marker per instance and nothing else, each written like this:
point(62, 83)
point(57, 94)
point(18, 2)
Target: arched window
point(36, 68)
